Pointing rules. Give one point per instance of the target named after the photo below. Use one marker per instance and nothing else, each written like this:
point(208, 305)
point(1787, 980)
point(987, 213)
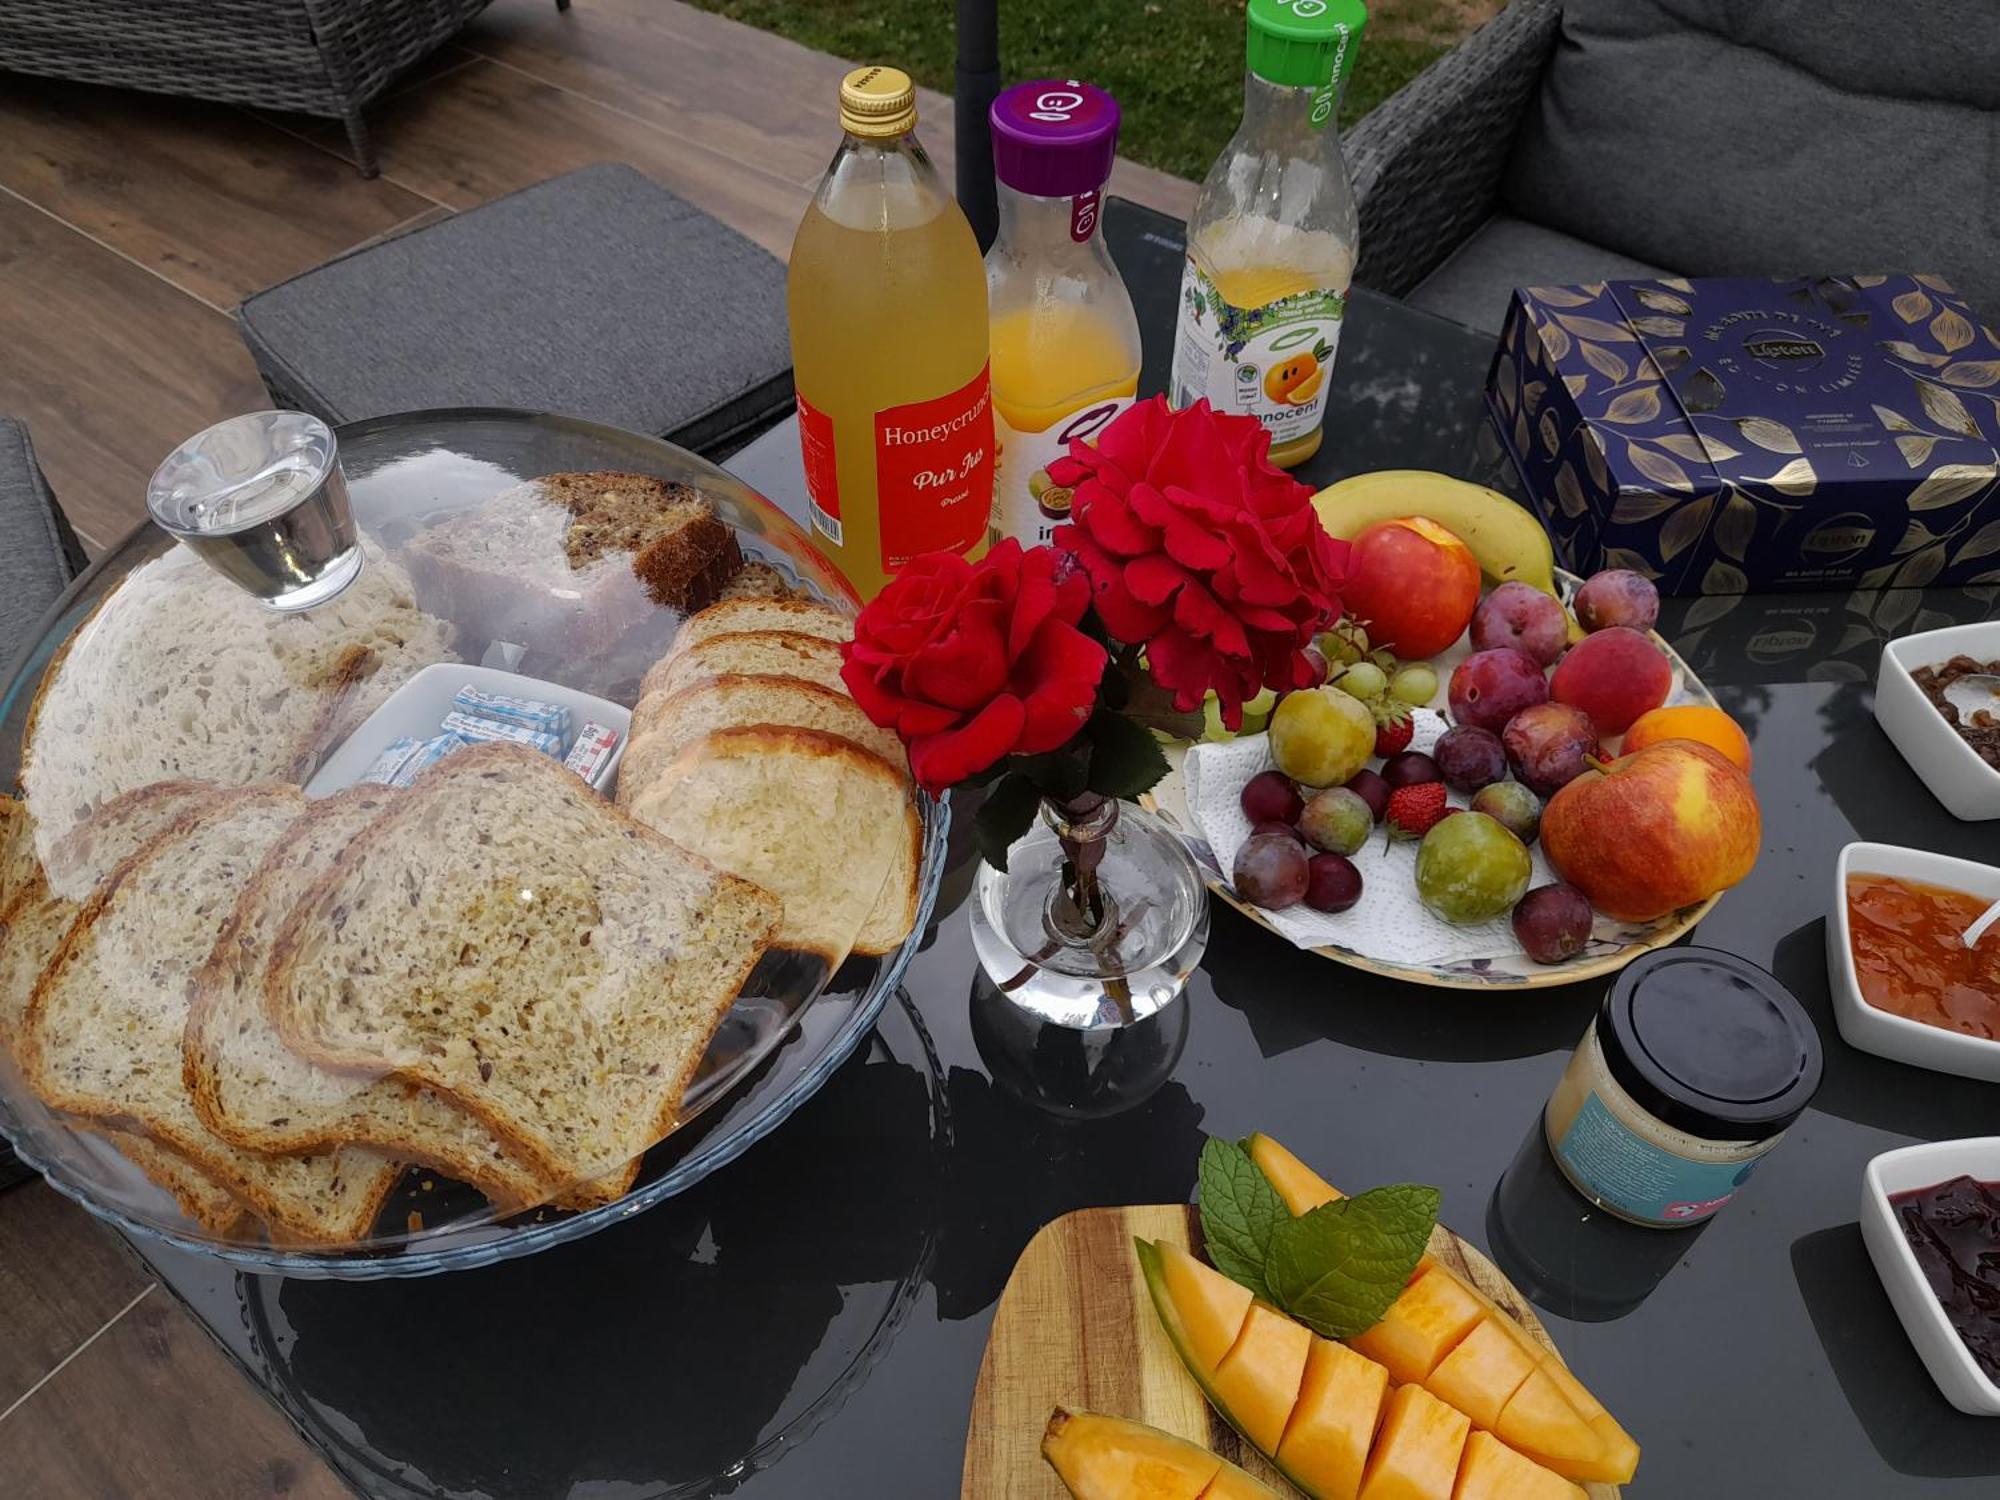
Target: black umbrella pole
point(978, 86)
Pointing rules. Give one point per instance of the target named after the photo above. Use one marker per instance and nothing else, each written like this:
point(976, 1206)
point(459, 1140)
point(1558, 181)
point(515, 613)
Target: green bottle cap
point(1304, 43)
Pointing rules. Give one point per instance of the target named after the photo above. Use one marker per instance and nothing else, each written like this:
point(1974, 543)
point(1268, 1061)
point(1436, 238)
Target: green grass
point(1176, 66)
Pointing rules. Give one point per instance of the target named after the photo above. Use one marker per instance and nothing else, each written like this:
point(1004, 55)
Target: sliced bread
point(18, 864)
point(743, 797)
point(103, 1031)
point(195, 1193)
point(254, 1093)
point(679, 548)
point(758, 653)
point(757, 580)
point(662, 726)
point(736, 616)
point(507, 937)
point(179, 673)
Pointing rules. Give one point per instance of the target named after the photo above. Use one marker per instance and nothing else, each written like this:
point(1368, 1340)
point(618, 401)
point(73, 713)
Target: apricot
point(1690, 721)
point(1615, 676)
point(1414, 583)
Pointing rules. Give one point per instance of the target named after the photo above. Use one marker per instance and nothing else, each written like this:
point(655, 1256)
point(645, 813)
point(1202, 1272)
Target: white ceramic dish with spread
point(1957, 777)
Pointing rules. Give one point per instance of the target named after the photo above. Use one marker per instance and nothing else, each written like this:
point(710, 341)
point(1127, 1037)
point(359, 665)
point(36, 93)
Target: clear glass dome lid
point(455, 812)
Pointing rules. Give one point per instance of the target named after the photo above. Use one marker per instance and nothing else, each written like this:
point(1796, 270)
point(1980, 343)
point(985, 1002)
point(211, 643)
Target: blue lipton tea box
point(1731, 435)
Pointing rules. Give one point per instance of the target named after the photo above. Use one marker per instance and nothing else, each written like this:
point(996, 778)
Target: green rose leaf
point(1006, 814)
point(1240, 1211)
point(1125, 759)
point(1338, 1268)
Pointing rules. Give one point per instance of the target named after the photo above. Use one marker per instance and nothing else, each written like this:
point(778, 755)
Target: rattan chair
point(320, 57)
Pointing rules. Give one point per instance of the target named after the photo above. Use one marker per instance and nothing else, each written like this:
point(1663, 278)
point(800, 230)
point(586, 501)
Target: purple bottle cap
point(1054, 138)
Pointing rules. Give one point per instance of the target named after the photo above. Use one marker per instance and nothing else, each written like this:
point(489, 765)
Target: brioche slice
point(738, 616)
point(756, 653)
point(36, 918)
point(254, 1093)
point(742, 797)
point(662, 726)
point(103, 1031)
point(514, 941)
point(199, 1196)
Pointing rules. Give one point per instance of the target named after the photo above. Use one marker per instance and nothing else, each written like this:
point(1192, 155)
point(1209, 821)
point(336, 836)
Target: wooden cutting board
point(1076, 1328)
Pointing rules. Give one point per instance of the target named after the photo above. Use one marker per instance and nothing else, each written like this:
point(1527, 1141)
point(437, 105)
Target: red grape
point(1270, 871)
point(1469, 757)
point(1372, 789)
point(1332, 883)
point(1270, 796)
point(1411, 768)
point(1552, 923)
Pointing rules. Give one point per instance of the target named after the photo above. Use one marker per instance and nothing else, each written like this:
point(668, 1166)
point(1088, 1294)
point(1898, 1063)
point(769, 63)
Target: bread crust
point(681, 669)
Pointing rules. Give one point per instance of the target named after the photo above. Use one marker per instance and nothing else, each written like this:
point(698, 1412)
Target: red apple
point(1414, 583)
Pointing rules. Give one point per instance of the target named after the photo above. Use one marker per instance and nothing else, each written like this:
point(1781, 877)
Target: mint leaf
point(1004, 818)
point(1240, 1211)
point(1125, 759)
point(1338, 1268)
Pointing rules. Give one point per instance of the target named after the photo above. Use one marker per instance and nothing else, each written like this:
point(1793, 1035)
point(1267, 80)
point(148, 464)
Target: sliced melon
point(1417, 1451)
point(1301, 1188)
point(1539, 1421)
point(1491, 1470)
point(1105, 1458)
point(1325, 1446)
point(1422, 1326)
point(1257, 1383)
point(1481, 1374)
point(1233, 1484)
point(1203, 1310)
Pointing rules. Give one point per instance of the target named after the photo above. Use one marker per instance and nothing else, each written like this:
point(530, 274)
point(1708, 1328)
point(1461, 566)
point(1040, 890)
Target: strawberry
point(1393, 736)
point(1415, 810)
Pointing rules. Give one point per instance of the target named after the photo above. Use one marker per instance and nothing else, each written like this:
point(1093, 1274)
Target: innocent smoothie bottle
point(1065, 338)
point(1272, 240)
point(887, 300)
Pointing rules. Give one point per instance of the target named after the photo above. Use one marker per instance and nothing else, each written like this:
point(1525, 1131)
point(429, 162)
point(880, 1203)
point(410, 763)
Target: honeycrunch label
point(934, 472)
point(898, 437)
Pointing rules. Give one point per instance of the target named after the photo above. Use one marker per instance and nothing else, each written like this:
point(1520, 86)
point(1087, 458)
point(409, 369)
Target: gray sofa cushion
point(38, 551)
point(1767, 137)
point(595, 294)
point(1473, 286)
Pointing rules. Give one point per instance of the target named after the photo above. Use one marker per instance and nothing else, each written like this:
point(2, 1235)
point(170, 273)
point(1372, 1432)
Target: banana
point(1506, 538)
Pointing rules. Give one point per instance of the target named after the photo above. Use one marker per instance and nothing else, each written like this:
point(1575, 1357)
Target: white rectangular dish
point(417, 709)
point(1957, 777)
point(1943, 1352)
point(1887, 1035)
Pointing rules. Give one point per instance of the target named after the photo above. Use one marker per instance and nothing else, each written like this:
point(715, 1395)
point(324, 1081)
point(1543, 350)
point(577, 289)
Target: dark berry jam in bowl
point(1953, 1228)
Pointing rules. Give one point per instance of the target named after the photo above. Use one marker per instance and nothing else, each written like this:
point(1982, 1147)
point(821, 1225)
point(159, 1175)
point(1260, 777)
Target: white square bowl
point(416, 710)
point(1878, 1031)
point(1957, 777)
point(1937, 1343)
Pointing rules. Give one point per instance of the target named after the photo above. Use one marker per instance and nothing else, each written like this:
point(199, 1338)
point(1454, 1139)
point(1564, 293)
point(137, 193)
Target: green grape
point(1345, 644)
point(1364, 680)
point(1415, 685)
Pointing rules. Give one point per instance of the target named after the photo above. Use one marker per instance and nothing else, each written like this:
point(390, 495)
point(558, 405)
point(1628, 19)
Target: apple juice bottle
point(1272, 240)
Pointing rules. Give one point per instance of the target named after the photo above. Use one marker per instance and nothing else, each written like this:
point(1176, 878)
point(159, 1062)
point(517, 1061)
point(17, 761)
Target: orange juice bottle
point(1065, 338)
point(1271, 242)
point(887, 301)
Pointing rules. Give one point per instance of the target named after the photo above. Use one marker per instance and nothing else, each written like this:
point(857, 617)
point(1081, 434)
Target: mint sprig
point(1336, 1269)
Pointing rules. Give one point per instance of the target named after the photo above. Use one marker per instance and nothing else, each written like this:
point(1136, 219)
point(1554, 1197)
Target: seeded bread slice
point(35, 920)
point(662, 726)
point(103, 1031)
point(18, 864)
point(254, 1093)
point(679, 548)
point(199, 1196)
point(737, 616)
point(741, 797)
point(512, 940)
point(755, 653)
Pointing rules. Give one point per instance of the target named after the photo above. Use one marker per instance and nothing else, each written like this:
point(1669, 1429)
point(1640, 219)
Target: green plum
point(1471, 869)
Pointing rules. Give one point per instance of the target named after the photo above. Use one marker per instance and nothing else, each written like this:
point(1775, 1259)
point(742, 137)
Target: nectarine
point(1414, 582)
point(1614, 676)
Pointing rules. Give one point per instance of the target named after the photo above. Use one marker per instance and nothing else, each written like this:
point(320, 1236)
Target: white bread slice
point(103, 1031)
point(179, 673)
point(744, 797)
point(661, 726)
point(17, 848)
point(253, 1092)
point(763, 653)
point(34, 922)
point(199, 1196)
point(511, 939)
point(738, 616)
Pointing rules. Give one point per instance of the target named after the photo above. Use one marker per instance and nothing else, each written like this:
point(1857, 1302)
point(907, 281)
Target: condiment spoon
point(1978, 929)
point(1973, 692)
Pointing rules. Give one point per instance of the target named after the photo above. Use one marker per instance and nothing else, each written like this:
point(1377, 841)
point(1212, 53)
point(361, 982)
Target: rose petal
point(942, 760)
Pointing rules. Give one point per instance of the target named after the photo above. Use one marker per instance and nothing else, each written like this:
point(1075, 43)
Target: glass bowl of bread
point(511, 890)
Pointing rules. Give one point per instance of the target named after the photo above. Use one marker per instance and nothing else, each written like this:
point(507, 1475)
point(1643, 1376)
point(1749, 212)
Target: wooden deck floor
point(130, 225)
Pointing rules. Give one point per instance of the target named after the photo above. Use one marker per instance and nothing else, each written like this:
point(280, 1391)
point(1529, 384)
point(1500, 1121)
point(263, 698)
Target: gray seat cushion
point(595, 294)
point(1774, 137)
point(1473, 286)
point(38, 551)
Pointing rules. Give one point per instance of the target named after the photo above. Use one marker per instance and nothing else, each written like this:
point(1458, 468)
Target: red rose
point(969, 662)
point(1201, 550)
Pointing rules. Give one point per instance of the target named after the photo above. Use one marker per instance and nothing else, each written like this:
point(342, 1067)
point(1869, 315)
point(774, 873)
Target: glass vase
point(1098, 920)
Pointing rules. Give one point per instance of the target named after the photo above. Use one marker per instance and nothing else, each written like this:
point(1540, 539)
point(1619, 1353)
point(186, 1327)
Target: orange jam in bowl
point(1910, 958)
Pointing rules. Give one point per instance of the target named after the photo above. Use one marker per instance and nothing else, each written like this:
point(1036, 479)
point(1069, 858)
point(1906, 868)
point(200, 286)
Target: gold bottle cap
point(878, 102)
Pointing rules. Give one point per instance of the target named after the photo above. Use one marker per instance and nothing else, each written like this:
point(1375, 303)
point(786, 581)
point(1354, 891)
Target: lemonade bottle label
point(1026, 504)
point(1268, 361)
point(822, 474)
point(934, 472)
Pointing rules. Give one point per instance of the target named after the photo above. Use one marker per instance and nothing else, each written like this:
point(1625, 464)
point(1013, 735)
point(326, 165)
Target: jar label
point(1638, 1178)
point(1269, 362)
point(1026, 505)
point(822, 473)
point(934, 472)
